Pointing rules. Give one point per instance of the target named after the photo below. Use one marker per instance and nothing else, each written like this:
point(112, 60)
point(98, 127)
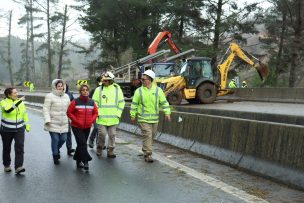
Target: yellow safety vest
point(146, 102)
point(110, 102)
point(14, 115)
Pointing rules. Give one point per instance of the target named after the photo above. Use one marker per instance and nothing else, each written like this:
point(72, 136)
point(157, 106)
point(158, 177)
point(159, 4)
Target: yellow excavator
point(195, 81)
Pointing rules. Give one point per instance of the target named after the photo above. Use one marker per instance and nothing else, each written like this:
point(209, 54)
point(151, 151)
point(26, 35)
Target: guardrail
point(283, 95)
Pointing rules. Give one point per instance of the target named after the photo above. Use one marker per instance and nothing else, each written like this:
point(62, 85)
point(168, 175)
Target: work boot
point(7, 169)
point(98, 151)
point(79, 164)
point(91, 143)
point(56, 159)
point(149, 159)
point(71, 151)
point(110, 153)
point(20, 170)
point(86, 166)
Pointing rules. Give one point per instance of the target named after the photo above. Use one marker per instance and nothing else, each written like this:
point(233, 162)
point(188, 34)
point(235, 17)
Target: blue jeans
point(58, 139)
point(69, 141)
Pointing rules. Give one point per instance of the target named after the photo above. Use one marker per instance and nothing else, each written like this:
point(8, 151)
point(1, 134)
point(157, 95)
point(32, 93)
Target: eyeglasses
point(143, 79)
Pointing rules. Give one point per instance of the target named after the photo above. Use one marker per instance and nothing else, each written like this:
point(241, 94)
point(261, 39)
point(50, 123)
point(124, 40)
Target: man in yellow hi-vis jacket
point(145, 106)
point(110, 102)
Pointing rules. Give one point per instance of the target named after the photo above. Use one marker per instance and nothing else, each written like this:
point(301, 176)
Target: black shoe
point(86, 166)
point(56, 159)
point(79, 164)
point(71, 151)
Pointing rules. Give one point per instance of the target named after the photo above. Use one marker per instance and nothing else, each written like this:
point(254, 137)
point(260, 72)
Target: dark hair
point(59, 81)
point(8, 91)
point(82, 86)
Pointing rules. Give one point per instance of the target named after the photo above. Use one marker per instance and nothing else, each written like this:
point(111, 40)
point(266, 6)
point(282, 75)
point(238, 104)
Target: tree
point(62, 42)
point(285, 41)
point(297, 25)
point(9, 59)
point(232, 22)
point(120, 25)
point(25, 51)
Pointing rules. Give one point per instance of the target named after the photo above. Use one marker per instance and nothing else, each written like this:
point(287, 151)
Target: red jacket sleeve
point(95, 112)
point(71, 111)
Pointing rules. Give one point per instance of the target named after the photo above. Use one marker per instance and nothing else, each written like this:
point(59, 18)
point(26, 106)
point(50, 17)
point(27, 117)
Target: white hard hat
point(244, 82)
point(108, 76)
point(150, 73)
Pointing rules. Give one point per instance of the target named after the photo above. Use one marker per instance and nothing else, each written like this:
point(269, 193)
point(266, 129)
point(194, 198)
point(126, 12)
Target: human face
point(84, 91)
point(59, 86)
point(146, 81)
point(106, 82)
point(14, 94)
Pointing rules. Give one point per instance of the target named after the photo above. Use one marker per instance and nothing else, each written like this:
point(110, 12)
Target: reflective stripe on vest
point(142, 106)
point(116, 99)
point(14, 126)
point(11, 121)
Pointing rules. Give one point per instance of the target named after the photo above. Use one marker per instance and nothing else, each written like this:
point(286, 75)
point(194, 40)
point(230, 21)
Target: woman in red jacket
point(83, 113)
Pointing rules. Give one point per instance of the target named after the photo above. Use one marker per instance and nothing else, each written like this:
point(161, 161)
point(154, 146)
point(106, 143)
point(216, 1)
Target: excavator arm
point(162, 37)
point(233, 51)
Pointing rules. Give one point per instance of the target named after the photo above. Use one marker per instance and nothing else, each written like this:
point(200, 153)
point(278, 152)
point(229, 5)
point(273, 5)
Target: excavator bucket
point(262, 70)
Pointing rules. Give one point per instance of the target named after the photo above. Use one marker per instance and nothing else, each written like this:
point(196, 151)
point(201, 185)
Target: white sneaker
point(20, 170)
point(7, 169)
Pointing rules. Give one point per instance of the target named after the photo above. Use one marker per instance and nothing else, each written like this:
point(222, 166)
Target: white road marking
point(203, 177)
point(240, 194)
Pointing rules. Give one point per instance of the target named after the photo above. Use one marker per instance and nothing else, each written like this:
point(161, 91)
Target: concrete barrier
point(276, 118)
point(286, 95)
point(270, 149)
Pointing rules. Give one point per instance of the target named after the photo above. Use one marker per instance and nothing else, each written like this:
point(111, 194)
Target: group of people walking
point(62, 113)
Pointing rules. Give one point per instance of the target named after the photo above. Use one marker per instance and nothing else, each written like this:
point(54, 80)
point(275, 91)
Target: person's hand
point(22, 98)
point(27, 127)
point(133, 120)
point(168, 118)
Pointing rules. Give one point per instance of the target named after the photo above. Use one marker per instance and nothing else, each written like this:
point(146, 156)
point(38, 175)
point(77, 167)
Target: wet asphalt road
point(124, 179)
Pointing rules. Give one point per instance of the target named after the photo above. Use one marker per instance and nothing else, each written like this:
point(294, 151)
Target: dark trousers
point(81, 137)
point(69, 139)
point(7, 138)
point(94, 132)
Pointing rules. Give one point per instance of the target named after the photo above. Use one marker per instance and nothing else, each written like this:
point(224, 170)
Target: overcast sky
point(75, 30)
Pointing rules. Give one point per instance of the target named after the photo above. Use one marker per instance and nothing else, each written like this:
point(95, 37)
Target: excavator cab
point(194, 82)
point(195, 70)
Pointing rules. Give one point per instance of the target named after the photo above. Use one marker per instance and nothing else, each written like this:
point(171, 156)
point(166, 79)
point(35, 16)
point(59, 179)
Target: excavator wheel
point(175, 97)
point(206, 93)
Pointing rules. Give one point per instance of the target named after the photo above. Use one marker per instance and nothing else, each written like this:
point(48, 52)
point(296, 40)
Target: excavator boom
point(235, 50)
point(162, 37)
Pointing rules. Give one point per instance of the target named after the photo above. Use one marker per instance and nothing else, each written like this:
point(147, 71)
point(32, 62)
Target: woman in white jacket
point(55, 118)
